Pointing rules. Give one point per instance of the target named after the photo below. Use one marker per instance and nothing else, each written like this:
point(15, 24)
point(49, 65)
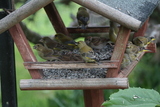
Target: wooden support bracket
point(24, 48)
point(119, 49)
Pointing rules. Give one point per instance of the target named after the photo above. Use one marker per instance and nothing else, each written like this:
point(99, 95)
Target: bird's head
point(81, 44)
point(38, 47)
point(88, 39)
point(45, 39)
point(129, 44)
point(82, 8)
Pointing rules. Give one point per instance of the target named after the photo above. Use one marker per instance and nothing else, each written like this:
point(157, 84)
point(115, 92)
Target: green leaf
point(134, 97)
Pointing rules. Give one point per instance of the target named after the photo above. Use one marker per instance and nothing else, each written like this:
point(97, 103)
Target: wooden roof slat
point(24, 11)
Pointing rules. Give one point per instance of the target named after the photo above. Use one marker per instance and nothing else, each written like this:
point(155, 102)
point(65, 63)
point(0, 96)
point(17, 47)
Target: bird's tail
point(83, 26)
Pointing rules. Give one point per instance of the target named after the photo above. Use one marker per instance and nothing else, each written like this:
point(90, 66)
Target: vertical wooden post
point(55, 19)
point(119, 50)
point(142, 30)
point(93, 98)
point(24, 48)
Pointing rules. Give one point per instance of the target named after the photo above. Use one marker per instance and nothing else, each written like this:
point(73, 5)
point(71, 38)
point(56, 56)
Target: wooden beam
point(24, 48)
point(142, 30)
point(24, 11)
point(125, 73)
point(69, 65)
point(152, 47)
point(102, 29)
point(119, 50)
point(73, 84)
point(55, 19)
point(93, 98)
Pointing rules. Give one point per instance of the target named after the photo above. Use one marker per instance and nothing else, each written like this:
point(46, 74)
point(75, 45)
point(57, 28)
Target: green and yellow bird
point(142, 41)
point(66, 40)
point(125, 62)
point(82, 17)
point(113, 31)
point(87, 52)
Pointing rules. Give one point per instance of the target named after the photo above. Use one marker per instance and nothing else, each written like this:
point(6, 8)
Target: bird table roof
point(130, 13)
point(139, 9)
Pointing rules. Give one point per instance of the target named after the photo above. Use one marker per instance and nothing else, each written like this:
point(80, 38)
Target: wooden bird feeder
point(115, 78)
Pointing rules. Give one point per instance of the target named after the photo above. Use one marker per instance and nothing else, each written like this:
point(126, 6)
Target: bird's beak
point(41, 40)
point(34, 47)
point(76, 43)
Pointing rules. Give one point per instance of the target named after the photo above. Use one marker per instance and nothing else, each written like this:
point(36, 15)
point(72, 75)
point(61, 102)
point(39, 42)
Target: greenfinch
point(86, 52)
point(96, 42)
point(52, 44)
point(131, 48)
point(113, 31)
point(82, 17)
point(66, 40)
point(126, 61)
point(142, 41)
point(133, 57)
point(46, 53)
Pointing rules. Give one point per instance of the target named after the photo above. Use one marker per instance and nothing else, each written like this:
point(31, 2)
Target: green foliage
point(67, 98)
point(134, 97)
point(146, 74)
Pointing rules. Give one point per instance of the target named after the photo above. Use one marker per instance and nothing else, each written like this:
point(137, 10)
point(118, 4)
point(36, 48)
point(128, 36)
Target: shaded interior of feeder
point(101, 55)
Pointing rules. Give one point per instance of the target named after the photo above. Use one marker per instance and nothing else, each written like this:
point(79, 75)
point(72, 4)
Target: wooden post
point(93, 98)
point(55, 19)
point(24, 48)
point(119, 49)
point(142, 30)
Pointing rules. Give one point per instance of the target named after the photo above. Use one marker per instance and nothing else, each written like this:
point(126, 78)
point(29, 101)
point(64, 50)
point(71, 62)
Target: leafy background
point(146, 73)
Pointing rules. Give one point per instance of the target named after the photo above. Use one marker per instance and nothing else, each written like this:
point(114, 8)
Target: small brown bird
point(113, 31)
point(96, 42)
point(52, 44)
point(87, 52)
point(82, 17)
point(46, 53)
